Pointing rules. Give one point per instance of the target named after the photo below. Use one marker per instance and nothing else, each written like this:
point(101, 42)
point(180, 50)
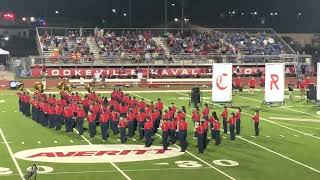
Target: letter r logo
point(274, 81)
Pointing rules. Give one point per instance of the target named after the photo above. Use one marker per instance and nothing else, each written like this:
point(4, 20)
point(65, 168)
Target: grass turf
point(284, 150)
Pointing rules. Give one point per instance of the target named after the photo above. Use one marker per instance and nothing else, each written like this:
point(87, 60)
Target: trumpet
point(38, 86)
point(20, 87)
point(89, 87)
point(64, 86)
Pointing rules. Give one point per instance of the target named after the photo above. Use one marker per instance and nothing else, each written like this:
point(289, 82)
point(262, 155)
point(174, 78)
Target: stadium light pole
point(182, 15)
point(165, 15)
point(130, 13)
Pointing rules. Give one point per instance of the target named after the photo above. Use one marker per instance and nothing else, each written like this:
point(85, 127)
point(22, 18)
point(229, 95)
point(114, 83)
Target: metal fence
point(177, 60)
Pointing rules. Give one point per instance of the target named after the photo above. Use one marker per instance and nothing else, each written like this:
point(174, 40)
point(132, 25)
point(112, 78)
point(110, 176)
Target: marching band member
point(81, 114)
point(182, 133)
point(91, 118)
point(200, 131)
point(232, 121)
point(148, 128)
point(224, 116)
point(165, 133)
point(123, 127)
point(256, 119)
point(238, 121)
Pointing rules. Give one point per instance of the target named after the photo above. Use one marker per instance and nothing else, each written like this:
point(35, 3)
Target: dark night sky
point(151, 12)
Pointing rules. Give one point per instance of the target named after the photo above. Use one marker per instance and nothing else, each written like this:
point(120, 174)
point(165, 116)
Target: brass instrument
point(20, 87)
point(64, 86)
point(89, 87)
point(38, 86)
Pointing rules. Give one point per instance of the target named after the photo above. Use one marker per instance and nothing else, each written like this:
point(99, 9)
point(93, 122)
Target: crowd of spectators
point(138, 45)
point(224, 43)
point(71, 47)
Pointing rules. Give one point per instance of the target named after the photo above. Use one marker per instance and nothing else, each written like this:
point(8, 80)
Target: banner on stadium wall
point(274, 82)
point(164, 72)
point(318, 81)
point(222, 82)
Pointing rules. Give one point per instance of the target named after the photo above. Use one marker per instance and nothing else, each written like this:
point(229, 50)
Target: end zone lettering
point(97, 153)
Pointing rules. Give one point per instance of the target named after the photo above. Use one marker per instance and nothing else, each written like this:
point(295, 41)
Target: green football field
point(288, 146)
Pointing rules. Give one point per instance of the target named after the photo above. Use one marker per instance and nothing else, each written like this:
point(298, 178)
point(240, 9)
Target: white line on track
point(113, 164)
point(272, 122)
point(211, 166)
point(12, 156)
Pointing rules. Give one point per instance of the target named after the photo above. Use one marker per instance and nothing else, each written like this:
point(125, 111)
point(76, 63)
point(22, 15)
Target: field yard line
point(191, 153)
point(114, 165)
point(293, 119)
point(298, 125)
point(283, 156)
point(272, 122)
point(283, 107)
point(126, 170)
point(12, 156)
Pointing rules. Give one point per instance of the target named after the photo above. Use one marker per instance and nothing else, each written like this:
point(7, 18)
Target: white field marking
point(294, 119)
point(267, 136)
point(284, 107)
point(55, 142)
point(2, 101)
point(6, 142)
point(118, 140)
point(194, 137)
point(3, 111)
point(298, 126)
point(272, 122)
point(296, 135)
point(71, 141)
point(253, 136)
point(281, 155)
point(39, 142)
point(134, 140)
point(12, 156)
point(22, 142)
point(281, 135)
point(15, 111)
point(161, 163)
point(127, 170)
point(225, 174)
point(113, 164)
point(224, 137)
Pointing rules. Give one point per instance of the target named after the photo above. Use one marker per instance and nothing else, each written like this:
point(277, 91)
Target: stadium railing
point(178, 60)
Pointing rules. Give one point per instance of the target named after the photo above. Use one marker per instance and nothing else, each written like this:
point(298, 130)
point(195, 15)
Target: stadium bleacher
point(104, 46)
